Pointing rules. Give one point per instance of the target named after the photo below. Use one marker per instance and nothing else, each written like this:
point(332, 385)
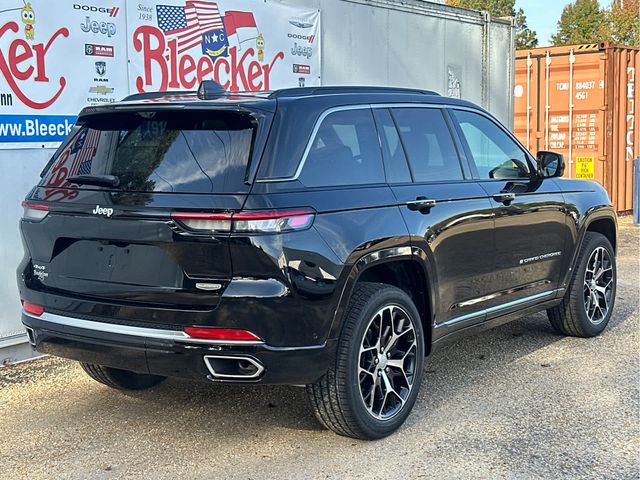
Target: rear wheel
point(372, 387)
point(588, 303)
point(121, 379)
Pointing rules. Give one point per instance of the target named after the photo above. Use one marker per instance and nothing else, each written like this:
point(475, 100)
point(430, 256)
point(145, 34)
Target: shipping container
point(582, 101)
point(412, 43)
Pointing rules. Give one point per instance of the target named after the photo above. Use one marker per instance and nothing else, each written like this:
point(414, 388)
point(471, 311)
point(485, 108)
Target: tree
point(581, 22)
point(623, 22)
point(525, 37)
point(498, 8)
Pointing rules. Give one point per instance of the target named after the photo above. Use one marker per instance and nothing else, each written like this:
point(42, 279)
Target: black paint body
point(460, 258)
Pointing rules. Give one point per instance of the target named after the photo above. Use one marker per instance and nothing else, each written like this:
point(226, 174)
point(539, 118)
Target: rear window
point(169, 151)
point(345, 151)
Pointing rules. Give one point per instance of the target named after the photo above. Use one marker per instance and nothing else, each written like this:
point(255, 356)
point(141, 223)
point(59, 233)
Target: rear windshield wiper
point(98, 180)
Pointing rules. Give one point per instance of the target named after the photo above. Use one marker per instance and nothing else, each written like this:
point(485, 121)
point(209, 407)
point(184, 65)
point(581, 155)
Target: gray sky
point(543, 16)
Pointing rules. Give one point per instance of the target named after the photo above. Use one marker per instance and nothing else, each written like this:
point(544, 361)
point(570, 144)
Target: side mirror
point(550, 164)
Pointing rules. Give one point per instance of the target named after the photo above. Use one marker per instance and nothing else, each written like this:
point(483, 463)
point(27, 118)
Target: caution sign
point(585, 167)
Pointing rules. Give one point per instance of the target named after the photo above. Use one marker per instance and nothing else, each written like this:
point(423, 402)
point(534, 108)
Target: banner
point(57, 57)
point(244, 46)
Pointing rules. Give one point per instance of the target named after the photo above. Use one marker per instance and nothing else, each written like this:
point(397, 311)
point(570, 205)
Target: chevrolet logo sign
point(101, 89)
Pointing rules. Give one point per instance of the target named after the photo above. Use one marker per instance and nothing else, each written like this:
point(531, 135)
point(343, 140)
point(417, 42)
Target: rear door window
point(428, 144)
point(180, 152)
point(344, 151)
point(395, 160)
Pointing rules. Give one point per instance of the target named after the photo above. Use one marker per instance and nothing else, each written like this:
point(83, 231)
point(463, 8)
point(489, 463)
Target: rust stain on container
point(582, 101)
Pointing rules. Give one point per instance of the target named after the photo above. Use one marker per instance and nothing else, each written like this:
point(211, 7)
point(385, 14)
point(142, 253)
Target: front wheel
point(372, 387)
point(588, 303)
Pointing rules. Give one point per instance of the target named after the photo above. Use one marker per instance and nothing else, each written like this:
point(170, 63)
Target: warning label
point(585, 167)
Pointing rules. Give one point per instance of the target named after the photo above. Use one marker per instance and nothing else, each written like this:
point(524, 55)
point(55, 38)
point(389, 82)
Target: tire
point(121, 379)
point(338, 398)
point(578, 315)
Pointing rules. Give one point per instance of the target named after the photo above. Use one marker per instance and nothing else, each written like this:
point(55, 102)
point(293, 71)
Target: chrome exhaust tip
point(31, 334)
point(233, 367)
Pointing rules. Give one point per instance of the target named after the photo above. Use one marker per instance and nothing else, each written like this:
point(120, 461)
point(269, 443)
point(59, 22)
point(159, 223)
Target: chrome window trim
point(373, 106)
point(142, 332)
point(408, 105)
point(329, 111)
point(314, 132)
point(497, 123)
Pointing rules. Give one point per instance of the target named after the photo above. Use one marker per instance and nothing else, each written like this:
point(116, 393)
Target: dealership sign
point(56, 61)
point(47, 73)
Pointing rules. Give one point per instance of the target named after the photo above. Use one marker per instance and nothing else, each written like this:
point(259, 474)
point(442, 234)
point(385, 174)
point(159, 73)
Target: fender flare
point(599, 212)
point(375, 258)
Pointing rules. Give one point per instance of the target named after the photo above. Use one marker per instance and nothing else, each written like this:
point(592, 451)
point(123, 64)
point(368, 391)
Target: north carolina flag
point(240, 26)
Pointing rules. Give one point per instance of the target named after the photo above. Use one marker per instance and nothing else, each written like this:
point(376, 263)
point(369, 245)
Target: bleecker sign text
point(17, 68)
point(240, 71)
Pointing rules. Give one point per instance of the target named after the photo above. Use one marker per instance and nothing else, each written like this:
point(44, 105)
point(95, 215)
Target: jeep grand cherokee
point(328, 237)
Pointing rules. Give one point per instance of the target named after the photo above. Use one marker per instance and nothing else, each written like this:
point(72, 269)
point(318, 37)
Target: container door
point(560, 105)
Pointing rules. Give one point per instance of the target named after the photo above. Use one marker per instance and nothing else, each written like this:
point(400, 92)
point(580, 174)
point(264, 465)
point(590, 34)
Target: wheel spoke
point(389, 387)
point(364, 370)
point(605, 288)
point(367, 349)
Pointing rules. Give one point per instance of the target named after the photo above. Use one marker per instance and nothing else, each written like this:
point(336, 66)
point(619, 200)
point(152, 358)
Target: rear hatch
point(109, 194)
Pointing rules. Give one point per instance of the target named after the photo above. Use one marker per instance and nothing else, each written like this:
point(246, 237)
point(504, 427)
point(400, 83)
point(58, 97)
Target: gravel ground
point(516, 402)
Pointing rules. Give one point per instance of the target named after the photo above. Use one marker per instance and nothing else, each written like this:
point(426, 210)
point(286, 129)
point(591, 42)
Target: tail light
point(34, 211)
point(32, 308)
point(222, 334)
point(275, 221)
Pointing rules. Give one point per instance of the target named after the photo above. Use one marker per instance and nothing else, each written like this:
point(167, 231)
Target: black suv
point(327, 237)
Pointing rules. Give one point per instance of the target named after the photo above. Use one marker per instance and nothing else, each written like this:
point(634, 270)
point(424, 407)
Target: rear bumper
point(172, 352)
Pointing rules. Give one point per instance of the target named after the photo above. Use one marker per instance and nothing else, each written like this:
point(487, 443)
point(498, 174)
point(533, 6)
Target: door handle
point(505, 198)
point(421, 203)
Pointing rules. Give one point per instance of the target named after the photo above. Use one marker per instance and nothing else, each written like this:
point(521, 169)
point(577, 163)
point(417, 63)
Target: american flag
point(85, 148)
point(187, 24)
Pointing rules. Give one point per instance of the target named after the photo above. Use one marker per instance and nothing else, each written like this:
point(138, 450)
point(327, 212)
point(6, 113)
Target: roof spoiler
point(208, 89)
point(152, 95)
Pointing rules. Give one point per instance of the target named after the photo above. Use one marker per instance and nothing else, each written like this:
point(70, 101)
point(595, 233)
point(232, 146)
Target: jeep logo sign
point(102, 211)
point(105, 28)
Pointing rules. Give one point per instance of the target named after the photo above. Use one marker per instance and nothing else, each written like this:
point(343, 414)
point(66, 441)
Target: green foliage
point(623, 22)
point(581, 22)
point(525, 37)
point(498, 8)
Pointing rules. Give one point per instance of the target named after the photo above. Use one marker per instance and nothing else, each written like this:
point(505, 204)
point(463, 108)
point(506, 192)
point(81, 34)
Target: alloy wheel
point(598, 285)
point(387, 362)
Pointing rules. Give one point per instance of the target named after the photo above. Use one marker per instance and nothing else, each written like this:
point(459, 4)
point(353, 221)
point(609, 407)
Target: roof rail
point(151, 95)
point(332, 90)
